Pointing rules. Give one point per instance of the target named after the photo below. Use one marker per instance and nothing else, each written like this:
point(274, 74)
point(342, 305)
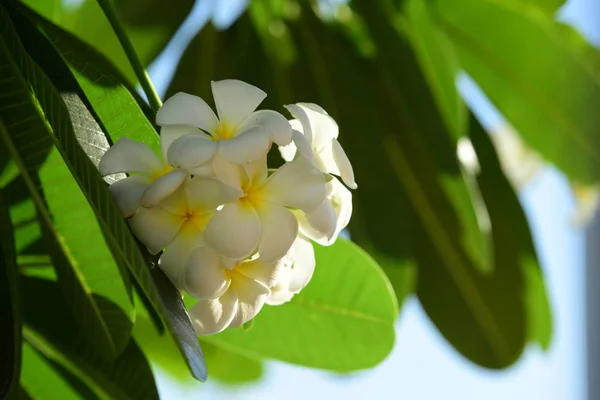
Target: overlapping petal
point(163, 187)
point(192, 150)
point(206, 277)
point(186, 109)
point(279, 228)
point(251, 296)
point(128, 192)
point(235, 100)
point(129, 156)
point(274, 124)
point(234, 231)
point(174, 259)
point(155, 227)
point(213, 316)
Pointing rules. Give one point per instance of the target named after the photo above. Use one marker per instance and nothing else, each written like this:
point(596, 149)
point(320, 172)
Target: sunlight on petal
point(186, 109)
point(129, 156)
point(212, 316)
point(235, 100)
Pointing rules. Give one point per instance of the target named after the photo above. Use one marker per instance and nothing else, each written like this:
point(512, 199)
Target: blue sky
point(422, 365)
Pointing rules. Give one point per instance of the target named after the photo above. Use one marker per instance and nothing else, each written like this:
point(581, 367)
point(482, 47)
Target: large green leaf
point(512, 239)
point(149, 24)
point(10, 319)
point(55, 335)
point(69, 142)
point(343, 320)
point(41, 379)
point(99, 291)
point(538, 74)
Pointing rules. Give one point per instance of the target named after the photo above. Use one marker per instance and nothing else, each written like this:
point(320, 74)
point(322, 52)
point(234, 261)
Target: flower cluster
point(233, 233)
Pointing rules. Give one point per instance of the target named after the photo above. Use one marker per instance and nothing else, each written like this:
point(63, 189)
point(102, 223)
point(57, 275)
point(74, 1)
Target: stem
point(138, 68)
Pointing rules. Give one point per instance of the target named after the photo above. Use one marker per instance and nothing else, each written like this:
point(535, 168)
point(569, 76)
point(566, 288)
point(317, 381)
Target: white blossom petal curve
point(129, 156)
point(235, 100)
point(191, 151)
point(155, 227)
point(251, 296)
point(249, 145)
point(303, 255)
point(186, 109)
point(205, 278)
point(234, 231)
point(279, 228)
point(163, 187)
point(209, 193)
point(128, 192)
point(170, 133)
point(343, 164)
point(319, 224)
point(260, 271)
point(273, 123)
point(296, 184)
point(174, 259)
point(213, 316)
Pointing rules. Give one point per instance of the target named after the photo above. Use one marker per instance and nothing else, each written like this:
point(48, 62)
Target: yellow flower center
point(223, 131)
point(161, 172)
point(195, 221)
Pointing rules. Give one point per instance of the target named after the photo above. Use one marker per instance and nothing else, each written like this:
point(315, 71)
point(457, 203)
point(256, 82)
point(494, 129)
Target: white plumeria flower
point(239, 134)
point(260, 220)
point(315, 138)
point(153, 179)
point(229, 297)
point(295, 273)
point(178, 222)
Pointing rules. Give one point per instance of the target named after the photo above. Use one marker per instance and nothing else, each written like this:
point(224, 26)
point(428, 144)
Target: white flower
point(229, 297)
point(315, 138)
point(178, 222)
point(239, 134)
point(260, 220)
point(587, 199)
point(153, 179)
point(295, 273)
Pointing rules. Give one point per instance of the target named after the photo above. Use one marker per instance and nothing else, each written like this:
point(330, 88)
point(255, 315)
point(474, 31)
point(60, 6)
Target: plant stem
point(134, 60)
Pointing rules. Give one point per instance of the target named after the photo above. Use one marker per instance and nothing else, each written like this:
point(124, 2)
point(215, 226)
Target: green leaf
point(120, 240)
point(512, 238)
point(439, 64)
point(55, 335)
point(100, 292)
point(223, 366)
point(42, 379)
point(10, 319)
point(114, 101)
point(149, 24)
point(549, 6)
point(543, 81)
point(343, 320)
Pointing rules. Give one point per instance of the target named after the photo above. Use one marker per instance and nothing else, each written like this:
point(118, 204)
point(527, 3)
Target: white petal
point(296, 184)
point(301, 119)
point(321, 222)
point(155, 227)
point(279, 228)
point(213, 316)
point(344, 166)
point(251, 296)
point(249, 145)
point(170, 133)
point(234, 231)
point(279, 296)
point(235, 100)
point(191, 151)
point(185, 109)
point(206, 277)
point(174, 259)
point(260, 271)
point(209, 193)
point(303, 255)
point(163, 187)
point(274, 124)
point(257, 171)
point(324, 128)
point(127, 193)
point(232, 174)
point(129, 156)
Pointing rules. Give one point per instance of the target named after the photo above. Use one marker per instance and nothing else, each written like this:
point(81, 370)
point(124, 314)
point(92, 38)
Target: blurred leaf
point(231, 368)
point(549, 6)
point(439, 64)
point(546, 85)
point(69, 141)
point(10, 319)
point(149, 24)
point(342, 321)
point(100, 293)
point(41, 380)
point(55, 335)
point(512, 238)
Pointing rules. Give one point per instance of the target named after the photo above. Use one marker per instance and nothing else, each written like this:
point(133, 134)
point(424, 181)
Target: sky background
point(422, 364)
